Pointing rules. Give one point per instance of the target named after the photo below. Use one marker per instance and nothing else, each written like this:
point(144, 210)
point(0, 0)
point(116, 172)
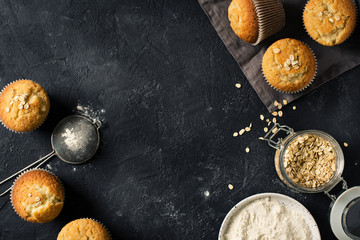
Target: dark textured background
point(166, 83)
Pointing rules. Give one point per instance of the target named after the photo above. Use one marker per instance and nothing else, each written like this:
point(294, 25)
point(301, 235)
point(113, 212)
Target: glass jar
point(280, 155)
point(345, 208)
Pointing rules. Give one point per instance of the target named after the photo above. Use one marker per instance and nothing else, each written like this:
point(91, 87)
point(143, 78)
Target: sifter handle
point(42, 160)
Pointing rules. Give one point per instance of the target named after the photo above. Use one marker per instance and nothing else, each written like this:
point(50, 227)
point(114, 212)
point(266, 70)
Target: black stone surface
point(166, 83)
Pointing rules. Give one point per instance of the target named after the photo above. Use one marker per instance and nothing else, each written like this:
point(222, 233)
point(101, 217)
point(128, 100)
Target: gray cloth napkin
point(332, 61)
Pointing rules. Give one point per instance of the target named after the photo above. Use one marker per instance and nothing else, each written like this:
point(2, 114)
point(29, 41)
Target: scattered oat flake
point(238, 85)
point(280, 113)
point(346, 144)
point(267, 120)
point(250, 125)
point(261, 138)
point(294, 107)
point(236, 134)
point(276, 103)
point(266, 129)
point(285, 101)
point(241, 132)
point(274, 130)
point(274, 120)
point(269, 123)
point(231, 187)
point(280, 106)
point(247, 129)
point(247, 149)
point(274, 113)
point(262, 117)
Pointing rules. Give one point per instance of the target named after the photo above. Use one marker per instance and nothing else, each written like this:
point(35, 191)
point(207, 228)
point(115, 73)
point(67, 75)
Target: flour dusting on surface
point(91, 113)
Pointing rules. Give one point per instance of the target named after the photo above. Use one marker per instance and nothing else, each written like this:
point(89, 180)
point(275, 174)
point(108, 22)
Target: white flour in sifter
point(267, 219)
point(73, 142)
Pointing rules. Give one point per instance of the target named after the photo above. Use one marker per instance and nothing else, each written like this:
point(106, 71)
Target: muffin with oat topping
point(329, 22)
point(24, 105)
point(289, 65)
point(84, 229)
point(37, 196)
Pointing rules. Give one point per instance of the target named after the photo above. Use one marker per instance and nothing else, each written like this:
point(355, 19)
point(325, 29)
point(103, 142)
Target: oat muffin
point(38, 196)
point(83, 229)
point(289, 65)
point(24, 105)
point(329, 22)
point(255, 20)
point(243, 20)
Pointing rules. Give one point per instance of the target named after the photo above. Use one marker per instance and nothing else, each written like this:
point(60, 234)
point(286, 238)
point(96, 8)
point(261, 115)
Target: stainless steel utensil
point(74, 140)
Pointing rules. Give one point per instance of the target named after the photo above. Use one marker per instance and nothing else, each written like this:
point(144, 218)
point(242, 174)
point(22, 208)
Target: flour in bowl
point(267, 219)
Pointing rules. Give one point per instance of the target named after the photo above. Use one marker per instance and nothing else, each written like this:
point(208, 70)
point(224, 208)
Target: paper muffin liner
point(271, 18)
point(106, 229)
point(21, 174)
point(11, 130)
point(356, 24)
point(302, 89)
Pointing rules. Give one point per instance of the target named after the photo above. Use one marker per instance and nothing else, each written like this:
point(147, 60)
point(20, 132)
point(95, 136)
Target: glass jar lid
point(344, 215)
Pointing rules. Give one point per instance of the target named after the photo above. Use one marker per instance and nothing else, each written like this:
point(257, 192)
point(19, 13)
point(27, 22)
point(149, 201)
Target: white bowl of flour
point(269, 216)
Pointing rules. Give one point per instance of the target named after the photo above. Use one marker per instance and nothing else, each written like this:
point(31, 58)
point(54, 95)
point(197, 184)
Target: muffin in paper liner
point(305, 86)
point(42, 213)
point(334, 20)
point(254, 20)
point(23, 102)
point(75, 228)
point(271, 18)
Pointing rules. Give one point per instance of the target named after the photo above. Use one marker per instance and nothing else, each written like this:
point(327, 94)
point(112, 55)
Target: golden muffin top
point(329, 22)
point(243, 20)
point(38, 196)
point(289, 65)
point(24, 105)
point(84, 229)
